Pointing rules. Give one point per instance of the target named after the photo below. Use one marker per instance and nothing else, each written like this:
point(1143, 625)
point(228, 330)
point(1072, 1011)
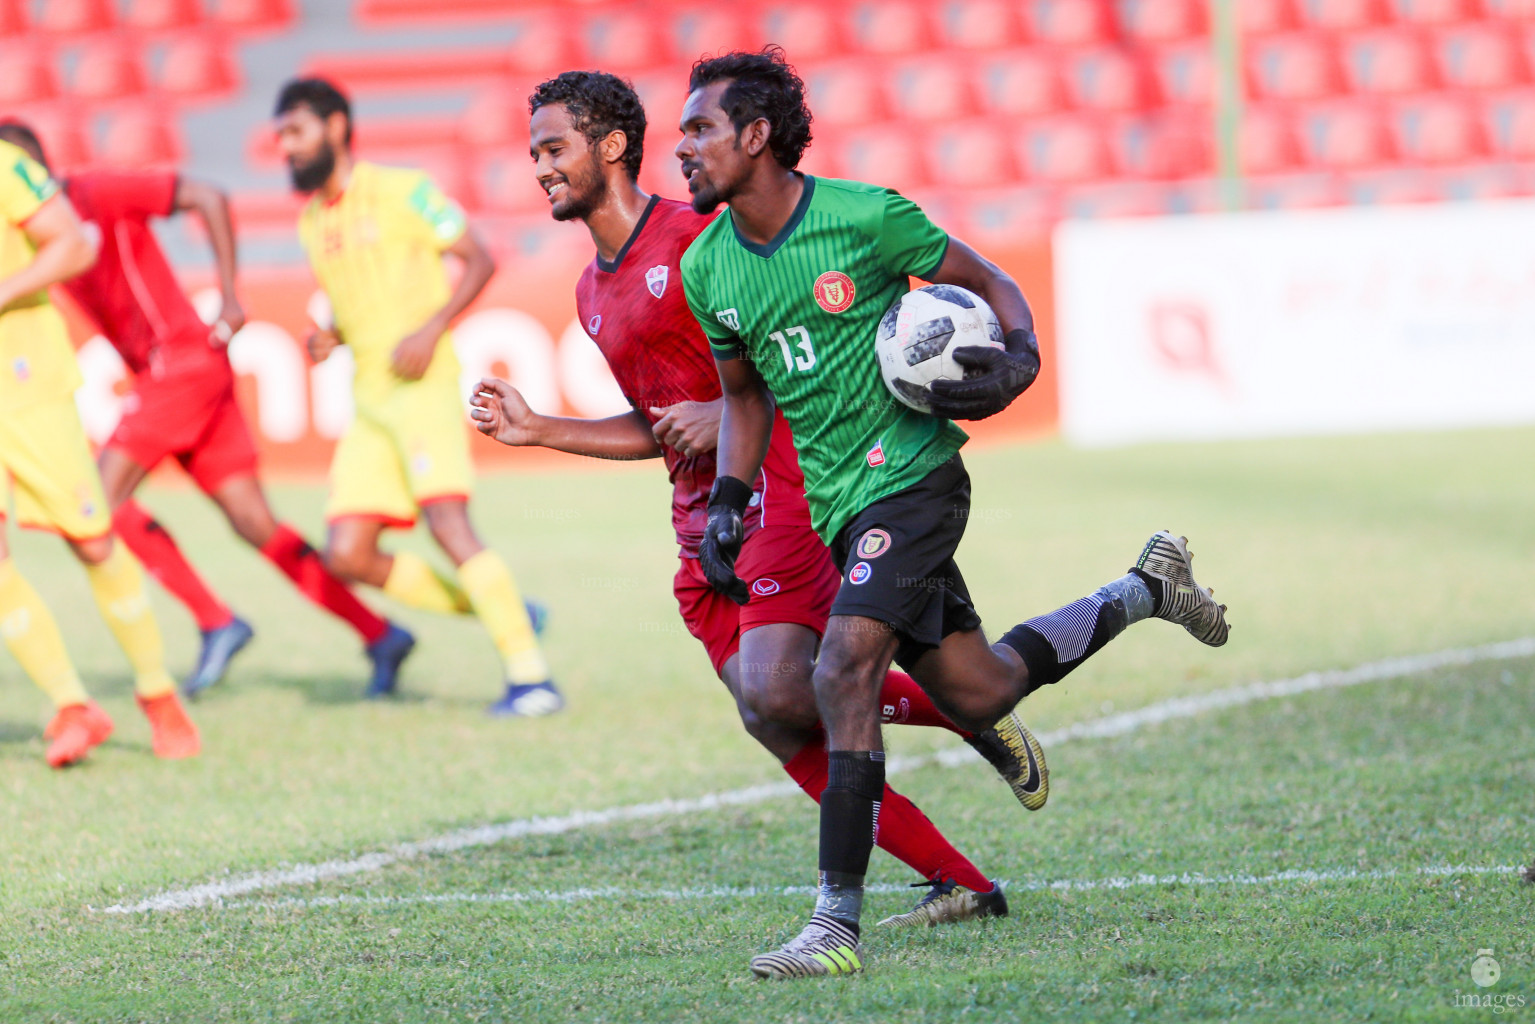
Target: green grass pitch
point(1276, 860)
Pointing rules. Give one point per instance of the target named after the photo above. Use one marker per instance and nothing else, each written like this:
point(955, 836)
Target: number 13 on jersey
point(805, 358)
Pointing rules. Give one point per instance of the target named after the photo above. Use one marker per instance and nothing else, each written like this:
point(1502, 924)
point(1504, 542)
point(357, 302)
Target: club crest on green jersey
point(834, 291)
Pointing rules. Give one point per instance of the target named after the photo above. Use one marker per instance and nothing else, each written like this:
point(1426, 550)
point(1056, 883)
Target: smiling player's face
point(564, 164)
point(713, 163)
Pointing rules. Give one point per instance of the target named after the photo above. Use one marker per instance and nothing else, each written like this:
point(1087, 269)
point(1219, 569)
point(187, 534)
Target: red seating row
point(1313, 66)
point(133, 134)
point(681, 29)
point(112, 67)
point(82, 17)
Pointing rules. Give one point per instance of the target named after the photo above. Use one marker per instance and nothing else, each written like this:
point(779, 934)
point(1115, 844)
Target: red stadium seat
point(1019, 83)
point(409, 70)
point(1394, 188)
point(13, 17)
point(887, 26)
point(976, 24)
point(76, 17)
point(1511, 11)
point(251, 14)
point(1266, 143)
point(1294, 192)
point(62, 133)
point(198, 65)
point(967, 154)
point(887, 154)
point(1159, 21)
point(158, 15)
point(1293, 67)
point(1266, 17)
point(1478, 57)
point(1436, 130)
point(1106, 78)
point(1068, 22)
point(542, 44)
point(928, 89)
point(619, 39)
point(506, 185)
point(996, 220)
point(1063, 149)
point(844, 93)
point(699, 30)
point(403, 133)
point(29, 73)
point(1161, 147)
point(1343, 136)
point(663, 93)
point(1184, 74)
point(141, 136)
point(1386, 62)
point(1430, 12)
point(1336, 15)
point(810, 28)
point(109, 68)
point(1127, 199)
point(1465, 184)
point(496, 118)
point(1509, 120)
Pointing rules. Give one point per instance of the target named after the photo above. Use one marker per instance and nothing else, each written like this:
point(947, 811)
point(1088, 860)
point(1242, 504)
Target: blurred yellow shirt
point(37, 363)
point(377, 253)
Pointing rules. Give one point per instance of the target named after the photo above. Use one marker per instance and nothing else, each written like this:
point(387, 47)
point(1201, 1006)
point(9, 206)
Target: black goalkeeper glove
point(1004, 375)
point(722, 537)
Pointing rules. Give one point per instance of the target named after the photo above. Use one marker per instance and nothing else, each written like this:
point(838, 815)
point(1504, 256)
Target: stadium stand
point(1068, 107)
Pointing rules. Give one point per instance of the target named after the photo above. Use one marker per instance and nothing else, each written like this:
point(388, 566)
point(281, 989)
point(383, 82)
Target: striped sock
point(1054, 644)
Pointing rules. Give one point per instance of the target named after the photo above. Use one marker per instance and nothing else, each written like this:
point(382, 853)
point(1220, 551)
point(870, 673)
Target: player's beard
point(310, 176)
point(583, 194)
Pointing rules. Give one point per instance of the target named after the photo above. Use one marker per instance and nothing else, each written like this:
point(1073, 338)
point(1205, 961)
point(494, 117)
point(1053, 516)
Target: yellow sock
point(412, 581)
point(33, 636)
point(118, 585)
point(500, 608)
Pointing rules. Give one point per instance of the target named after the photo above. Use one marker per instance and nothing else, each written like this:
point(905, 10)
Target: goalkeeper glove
point(1004, 375)
point(723, 534)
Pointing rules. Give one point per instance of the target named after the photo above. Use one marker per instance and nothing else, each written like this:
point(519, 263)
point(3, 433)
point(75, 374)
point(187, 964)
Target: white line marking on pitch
point(801, 891)
point(1097, 728)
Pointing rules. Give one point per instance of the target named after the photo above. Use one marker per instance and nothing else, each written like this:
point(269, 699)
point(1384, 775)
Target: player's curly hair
point(762, 84)
point(319, 95)
point(599, 103)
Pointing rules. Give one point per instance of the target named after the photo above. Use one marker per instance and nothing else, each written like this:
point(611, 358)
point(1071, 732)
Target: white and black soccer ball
point(920, 332)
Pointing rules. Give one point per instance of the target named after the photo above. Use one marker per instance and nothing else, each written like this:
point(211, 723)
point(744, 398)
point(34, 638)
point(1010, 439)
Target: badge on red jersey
point(834, 291)
point(593, 324)
point(655, 280)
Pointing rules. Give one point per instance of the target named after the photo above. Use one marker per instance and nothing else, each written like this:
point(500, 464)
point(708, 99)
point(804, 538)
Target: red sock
point(301, 564)
point(903, 702)
point(904, 831)
point(147, 539)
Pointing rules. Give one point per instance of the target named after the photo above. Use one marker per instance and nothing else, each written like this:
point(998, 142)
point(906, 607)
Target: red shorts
point(194, 419)
point(792, 579)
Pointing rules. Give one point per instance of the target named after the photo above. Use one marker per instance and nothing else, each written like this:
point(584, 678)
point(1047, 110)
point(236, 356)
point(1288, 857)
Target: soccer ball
point(919, 333)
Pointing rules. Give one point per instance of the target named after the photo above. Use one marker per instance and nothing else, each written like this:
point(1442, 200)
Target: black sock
point(1054, 644)
point(855, 783)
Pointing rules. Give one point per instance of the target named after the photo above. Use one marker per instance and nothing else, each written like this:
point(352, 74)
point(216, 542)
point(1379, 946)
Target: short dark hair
point(319, 96)
point(19, 131)
point(762, 84)
point(599, 103)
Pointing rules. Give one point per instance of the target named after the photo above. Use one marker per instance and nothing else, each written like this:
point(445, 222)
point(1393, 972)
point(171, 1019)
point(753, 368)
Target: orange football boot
point(74, 731)
point(173, 734)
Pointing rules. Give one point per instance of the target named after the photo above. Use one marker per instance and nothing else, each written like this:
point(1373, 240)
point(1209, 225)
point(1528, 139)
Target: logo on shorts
point(873, 544)
point(896, 714)
point(859, 574)
point(876, 454)
point(765, 587)
point(655, 280)
point(593, 324)
point(834, 291)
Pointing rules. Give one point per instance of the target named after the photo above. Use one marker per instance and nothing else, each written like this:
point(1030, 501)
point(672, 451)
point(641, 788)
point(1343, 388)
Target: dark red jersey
point(131, 293)
point(634, 309)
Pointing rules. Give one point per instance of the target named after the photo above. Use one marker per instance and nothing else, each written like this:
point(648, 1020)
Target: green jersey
point(805, 309)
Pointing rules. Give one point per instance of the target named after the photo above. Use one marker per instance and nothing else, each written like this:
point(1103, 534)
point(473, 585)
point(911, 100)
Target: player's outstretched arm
point(211, 204)
point(64, 250)
point(999, 377)
point(499, 411)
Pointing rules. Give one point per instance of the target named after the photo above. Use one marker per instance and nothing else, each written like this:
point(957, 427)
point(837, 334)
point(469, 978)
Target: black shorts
point(897, 562)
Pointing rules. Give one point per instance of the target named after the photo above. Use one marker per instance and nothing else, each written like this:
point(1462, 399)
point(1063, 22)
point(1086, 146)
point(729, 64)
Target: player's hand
point(321, 343)
point(414, 353)
point(690, 427)
point(231, 319)
point(1003, 376)
point(499, 411)
point(723, 534)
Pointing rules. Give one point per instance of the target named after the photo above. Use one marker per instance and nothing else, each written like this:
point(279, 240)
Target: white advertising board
point(1280, 323)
